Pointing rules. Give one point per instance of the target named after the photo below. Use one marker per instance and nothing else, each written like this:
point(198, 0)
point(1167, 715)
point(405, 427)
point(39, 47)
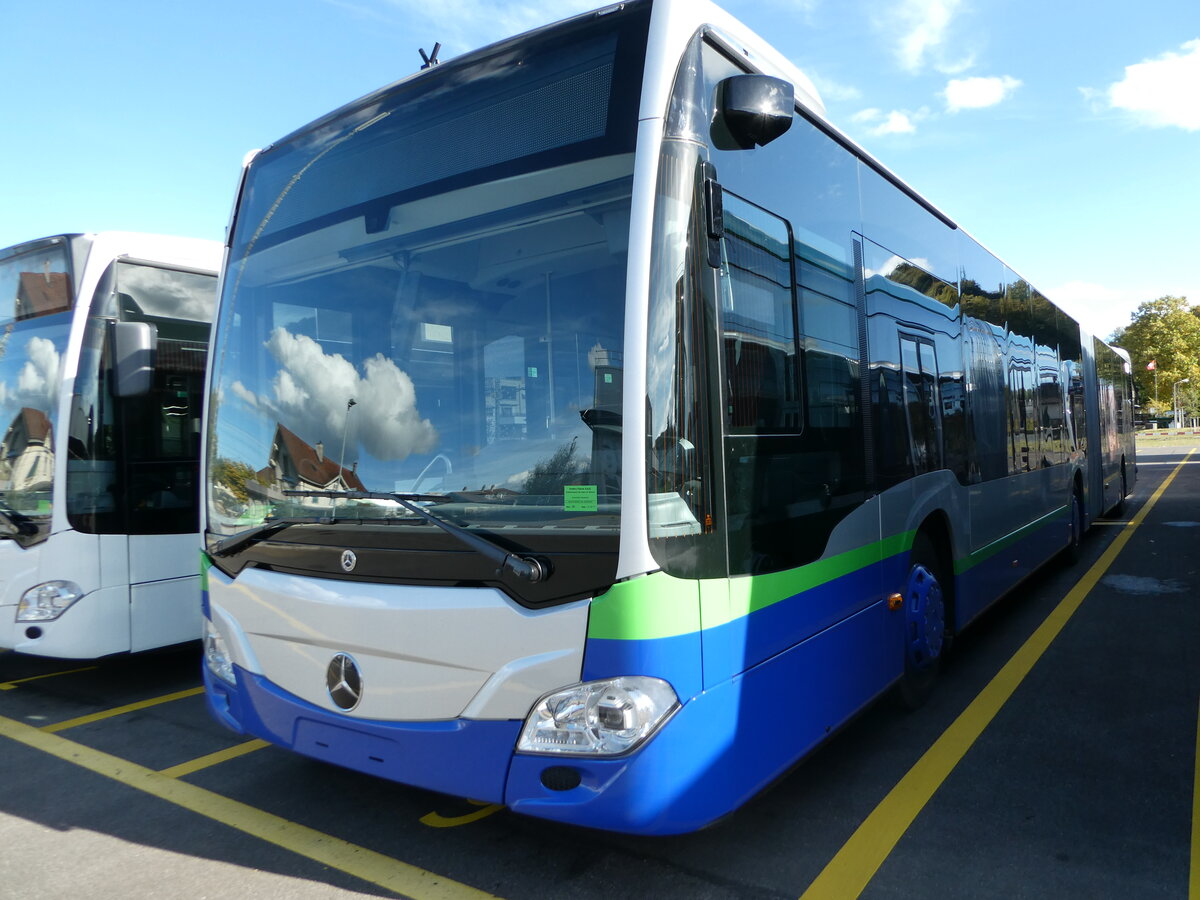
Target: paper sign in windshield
point(579, 498)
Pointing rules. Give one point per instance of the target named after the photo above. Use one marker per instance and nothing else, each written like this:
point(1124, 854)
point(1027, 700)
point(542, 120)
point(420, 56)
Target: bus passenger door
point(923, 409)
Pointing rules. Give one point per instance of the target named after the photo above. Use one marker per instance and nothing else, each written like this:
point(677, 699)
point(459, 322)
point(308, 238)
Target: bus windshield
point(425, 295)
point(36, 296)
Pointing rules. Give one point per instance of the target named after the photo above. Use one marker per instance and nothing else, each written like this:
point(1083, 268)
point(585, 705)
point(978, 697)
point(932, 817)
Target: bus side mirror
point(133, 345)
point(752, 110)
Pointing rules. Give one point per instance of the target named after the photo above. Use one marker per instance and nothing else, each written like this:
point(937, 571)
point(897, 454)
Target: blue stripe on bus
point(722, 746)
point(462, 757)
point(676, 659)
point(980, 585)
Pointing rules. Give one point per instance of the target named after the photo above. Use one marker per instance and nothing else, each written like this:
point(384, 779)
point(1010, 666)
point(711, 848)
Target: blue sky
point(1066, 138)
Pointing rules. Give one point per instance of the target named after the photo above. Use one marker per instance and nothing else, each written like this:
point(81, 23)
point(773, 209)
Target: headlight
point(48, 601)
point(216, 654)
point(601, 718)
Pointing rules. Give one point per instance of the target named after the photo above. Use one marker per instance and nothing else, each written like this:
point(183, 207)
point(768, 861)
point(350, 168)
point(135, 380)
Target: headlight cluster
point(216, 654)
point(600, 718)
point(48, 601)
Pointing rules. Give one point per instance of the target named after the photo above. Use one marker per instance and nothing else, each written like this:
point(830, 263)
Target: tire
point(1074, 551)
point(1118, 508)
point(925, 635)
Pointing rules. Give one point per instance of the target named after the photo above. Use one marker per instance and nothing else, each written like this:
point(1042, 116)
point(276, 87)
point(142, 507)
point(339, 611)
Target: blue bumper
point(463, 757)
point(717, 751)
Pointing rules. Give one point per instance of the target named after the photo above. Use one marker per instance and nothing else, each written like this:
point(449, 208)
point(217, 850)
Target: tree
point(1167, 332)
point(234, 475)
point(550, 475)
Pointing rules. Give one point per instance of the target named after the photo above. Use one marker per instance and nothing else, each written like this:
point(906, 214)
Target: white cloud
point(311, 390)
point(37, 383)
point(835, 91)
point(1162, 92)
point(919, 30)
point(894, 122)
point(160, 293)
point(978, 93)
point(1102, 309)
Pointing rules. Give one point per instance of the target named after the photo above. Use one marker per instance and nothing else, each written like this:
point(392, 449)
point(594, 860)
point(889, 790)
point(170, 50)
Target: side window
point(133, 462)
point(922, 404)
point(758, 334)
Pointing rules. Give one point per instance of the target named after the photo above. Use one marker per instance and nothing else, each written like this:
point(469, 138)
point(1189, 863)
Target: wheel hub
point(925, 617)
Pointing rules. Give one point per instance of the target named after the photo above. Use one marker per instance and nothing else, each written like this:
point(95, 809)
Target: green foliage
point(1167, 331)
point(233, 475)
point(548, 476)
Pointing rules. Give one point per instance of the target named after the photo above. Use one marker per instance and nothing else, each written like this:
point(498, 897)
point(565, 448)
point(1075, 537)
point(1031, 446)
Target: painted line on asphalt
point(852, 868)
point(121, 710)
point(12, 685)
point(1194, 874)
point(437, 820)
point(213, 759)
point(360, 862)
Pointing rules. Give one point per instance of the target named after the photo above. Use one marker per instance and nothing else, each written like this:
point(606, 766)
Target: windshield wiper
point(236, 542)
point(21, 523)
point(528, 568)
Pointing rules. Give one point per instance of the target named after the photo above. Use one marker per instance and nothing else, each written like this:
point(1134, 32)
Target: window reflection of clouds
point(162, 292)
point(30, 376)
point(311, 388)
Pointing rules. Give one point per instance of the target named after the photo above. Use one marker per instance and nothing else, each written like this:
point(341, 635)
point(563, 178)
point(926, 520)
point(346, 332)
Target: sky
point(1064, 137)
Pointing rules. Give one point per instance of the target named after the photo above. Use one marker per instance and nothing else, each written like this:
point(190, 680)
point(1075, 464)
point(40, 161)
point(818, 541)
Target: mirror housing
point(134, 345)
point(751, 110)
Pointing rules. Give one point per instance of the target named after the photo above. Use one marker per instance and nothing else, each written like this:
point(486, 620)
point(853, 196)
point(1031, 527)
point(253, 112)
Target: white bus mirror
point(133, 345)
point(752, 110)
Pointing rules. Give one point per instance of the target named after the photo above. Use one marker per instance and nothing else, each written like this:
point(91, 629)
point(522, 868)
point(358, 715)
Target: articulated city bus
point(594, 428)
point(103, 345)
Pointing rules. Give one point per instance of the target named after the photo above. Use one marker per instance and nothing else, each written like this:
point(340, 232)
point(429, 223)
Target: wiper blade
point(21, 523)
point(529, 568)
point(242, 539)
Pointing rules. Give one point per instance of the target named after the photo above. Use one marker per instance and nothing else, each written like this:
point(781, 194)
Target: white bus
point(595, 428)
point(103, 345)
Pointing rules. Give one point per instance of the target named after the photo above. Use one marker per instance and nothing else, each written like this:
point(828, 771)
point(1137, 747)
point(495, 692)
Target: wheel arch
point(935, 528)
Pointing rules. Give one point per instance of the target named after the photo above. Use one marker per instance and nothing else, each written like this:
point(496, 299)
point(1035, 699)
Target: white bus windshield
point(36, 297)
point(425, 295)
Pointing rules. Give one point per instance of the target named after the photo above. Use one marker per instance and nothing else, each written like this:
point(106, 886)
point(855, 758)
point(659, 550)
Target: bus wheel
point(1120, 508)
point(924, 624)
point(1075, 545)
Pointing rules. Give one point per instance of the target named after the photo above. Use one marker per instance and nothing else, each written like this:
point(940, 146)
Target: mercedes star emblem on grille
point(349, 560)
point(344, 681)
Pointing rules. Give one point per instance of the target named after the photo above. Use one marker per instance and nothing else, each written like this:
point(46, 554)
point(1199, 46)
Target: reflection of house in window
point(295, 465)
point(40, 294)
point(27, 453)
point(504, 402)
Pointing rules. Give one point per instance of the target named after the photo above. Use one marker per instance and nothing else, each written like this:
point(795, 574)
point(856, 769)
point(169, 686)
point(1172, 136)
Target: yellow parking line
point(1194, 876)
point(853, 867)
point(121, 710)
point(437, 820)
point(11, 685)
point(213, 759)
point(360, 862)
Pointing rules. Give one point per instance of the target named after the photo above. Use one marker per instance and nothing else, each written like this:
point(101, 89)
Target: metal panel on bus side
point(750, 619)
point(164, 612)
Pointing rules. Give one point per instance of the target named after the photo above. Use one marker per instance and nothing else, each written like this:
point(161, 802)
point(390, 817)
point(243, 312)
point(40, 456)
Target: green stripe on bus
point(971, 560)
point(661, 606)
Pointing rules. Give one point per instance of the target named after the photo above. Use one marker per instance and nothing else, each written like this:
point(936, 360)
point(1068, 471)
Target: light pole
point(1175, 400)
point(342, 455)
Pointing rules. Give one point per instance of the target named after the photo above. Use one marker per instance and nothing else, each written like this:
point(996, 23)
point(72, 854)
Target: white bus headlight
point(602, 718)
point(48, 601)
point(216, 654)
